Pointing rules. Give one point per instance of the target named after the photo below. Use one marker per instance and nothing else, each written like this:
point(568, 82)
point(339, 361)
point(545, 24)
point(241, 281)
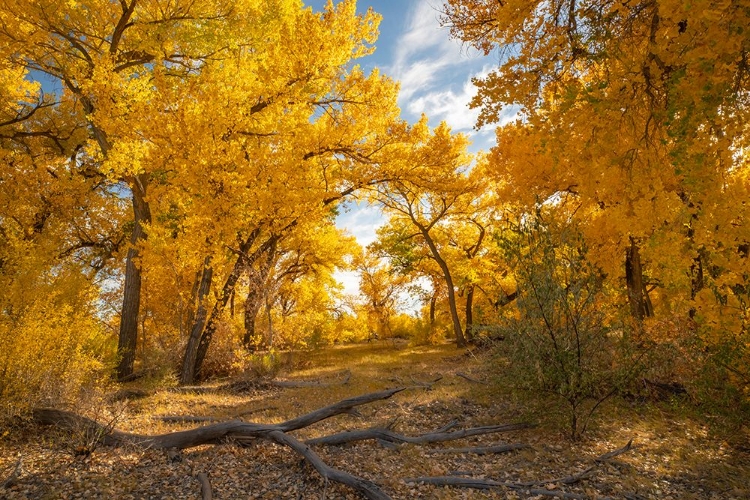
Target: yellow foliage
point(52, 346)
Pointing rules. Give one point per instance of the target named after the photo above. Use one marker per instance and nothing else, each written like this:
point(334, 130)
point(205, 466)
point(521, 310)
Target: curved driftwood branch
point(388, 435)
point(367, 488)
point(206, 493)
point(529, 487)
point(484, 450)
point(209, 434)
point(235, 429)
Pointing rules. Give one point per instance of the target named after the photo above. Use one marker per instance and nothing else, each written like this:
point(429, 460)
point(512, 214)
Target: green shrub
point(566, 339)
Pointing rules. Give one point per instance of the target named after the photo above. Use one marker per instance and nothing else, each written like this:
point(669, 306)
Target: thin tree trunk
point(457, 330)
point(187, 375)
point(243, 261)
point(697, 279)
point(269, 341)
point(433, 306)
point(128, 337)
point(469, 312)
point(255, 295)
point(252, 308)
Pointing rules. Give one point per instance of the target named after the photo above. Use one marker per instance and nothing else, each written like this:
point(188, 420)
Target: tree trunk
point(243, 261)
point(255, 294)
point(696, 280)
point(640, 304)
point(252, 308)
point(469, 312)
point(187, 375)
point(269, 338)
point(457, 330)
point(131, 302)
point(433, 306)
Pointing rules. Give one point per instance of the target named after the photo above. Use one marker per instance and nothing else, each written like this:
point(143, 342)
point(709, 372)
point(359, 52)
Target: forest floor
point(674, 454)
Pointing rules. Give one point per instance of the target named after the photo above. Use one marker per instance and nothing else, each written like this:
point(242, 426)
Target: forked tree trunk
point(457, 330)
point(131, 302)
point(255, 294)
point(243, 260)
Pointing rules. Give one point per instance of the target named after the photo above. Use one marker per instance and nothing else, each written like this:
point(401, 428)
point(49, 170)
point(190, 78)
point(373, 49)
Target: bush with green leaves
point(566, 339)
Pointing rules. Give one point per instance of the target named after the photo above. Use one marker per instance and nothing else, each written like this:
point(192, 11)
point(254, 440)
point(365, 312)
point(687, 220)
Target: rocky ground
point(672, 456)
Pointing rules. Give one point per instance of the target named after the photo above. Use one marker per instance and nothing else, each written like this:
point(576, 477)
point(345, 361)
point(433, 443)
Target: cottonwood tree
point(430, 194)
point(298, 287)
point(112, 64)
point(58, 228)
point(636, 112)
point(322, 130)
point(381, 287)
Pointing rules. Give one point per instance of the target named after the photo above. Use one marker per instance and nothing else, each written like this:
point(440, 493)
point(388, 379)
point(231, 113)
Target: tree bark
point(128, 336)
point(255, 294)
point(457, 330)
point(433, 306)
point(243, 260)
point(252, 308)
point(469, 312)
point(640, 304)
point(187, 375)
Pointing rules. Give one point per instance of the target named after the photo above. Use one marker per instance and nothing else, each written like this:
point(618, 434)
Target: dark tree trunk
point(243, 261)
point(640, 303)
point(131, 302)
point(697, 281)
point(433, 306)
point(187, 375)
point(252, 308)
point(469, 312)
point(457, 330)
point(256, 293)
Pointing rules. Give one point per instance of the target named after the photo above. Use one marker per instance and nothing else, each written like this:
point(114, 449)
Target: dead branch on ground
point(529, 487)
point(470, 379)
point(383, 434)
point(484, 450)
point(239, 431)
point(13, 477)
point(206, 492)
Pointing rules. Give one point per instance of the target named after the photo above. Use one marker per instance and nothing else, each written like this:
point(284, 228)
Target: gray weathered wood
point(394, 437)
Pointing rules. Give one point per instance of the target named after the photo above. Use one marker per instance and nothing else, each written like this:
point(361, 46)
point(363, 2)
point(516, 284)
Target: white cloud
point(449, 105)
point(350, 281)
point(435, 72)
point(361, 221)
point(425, 53)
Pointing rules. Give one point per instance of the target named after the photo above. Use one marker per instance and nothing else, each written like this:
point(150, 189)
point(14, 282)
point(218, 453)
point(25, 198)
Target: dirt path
point(673, 458)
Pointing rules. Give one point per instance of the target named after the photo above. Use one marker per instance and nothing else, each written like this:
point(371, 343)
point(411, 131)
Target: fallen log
point(208, 434)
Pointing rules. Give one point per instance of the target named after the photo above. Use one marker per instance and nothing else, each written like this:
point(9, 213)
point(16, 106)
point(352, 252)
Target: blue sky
point(435, 75)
